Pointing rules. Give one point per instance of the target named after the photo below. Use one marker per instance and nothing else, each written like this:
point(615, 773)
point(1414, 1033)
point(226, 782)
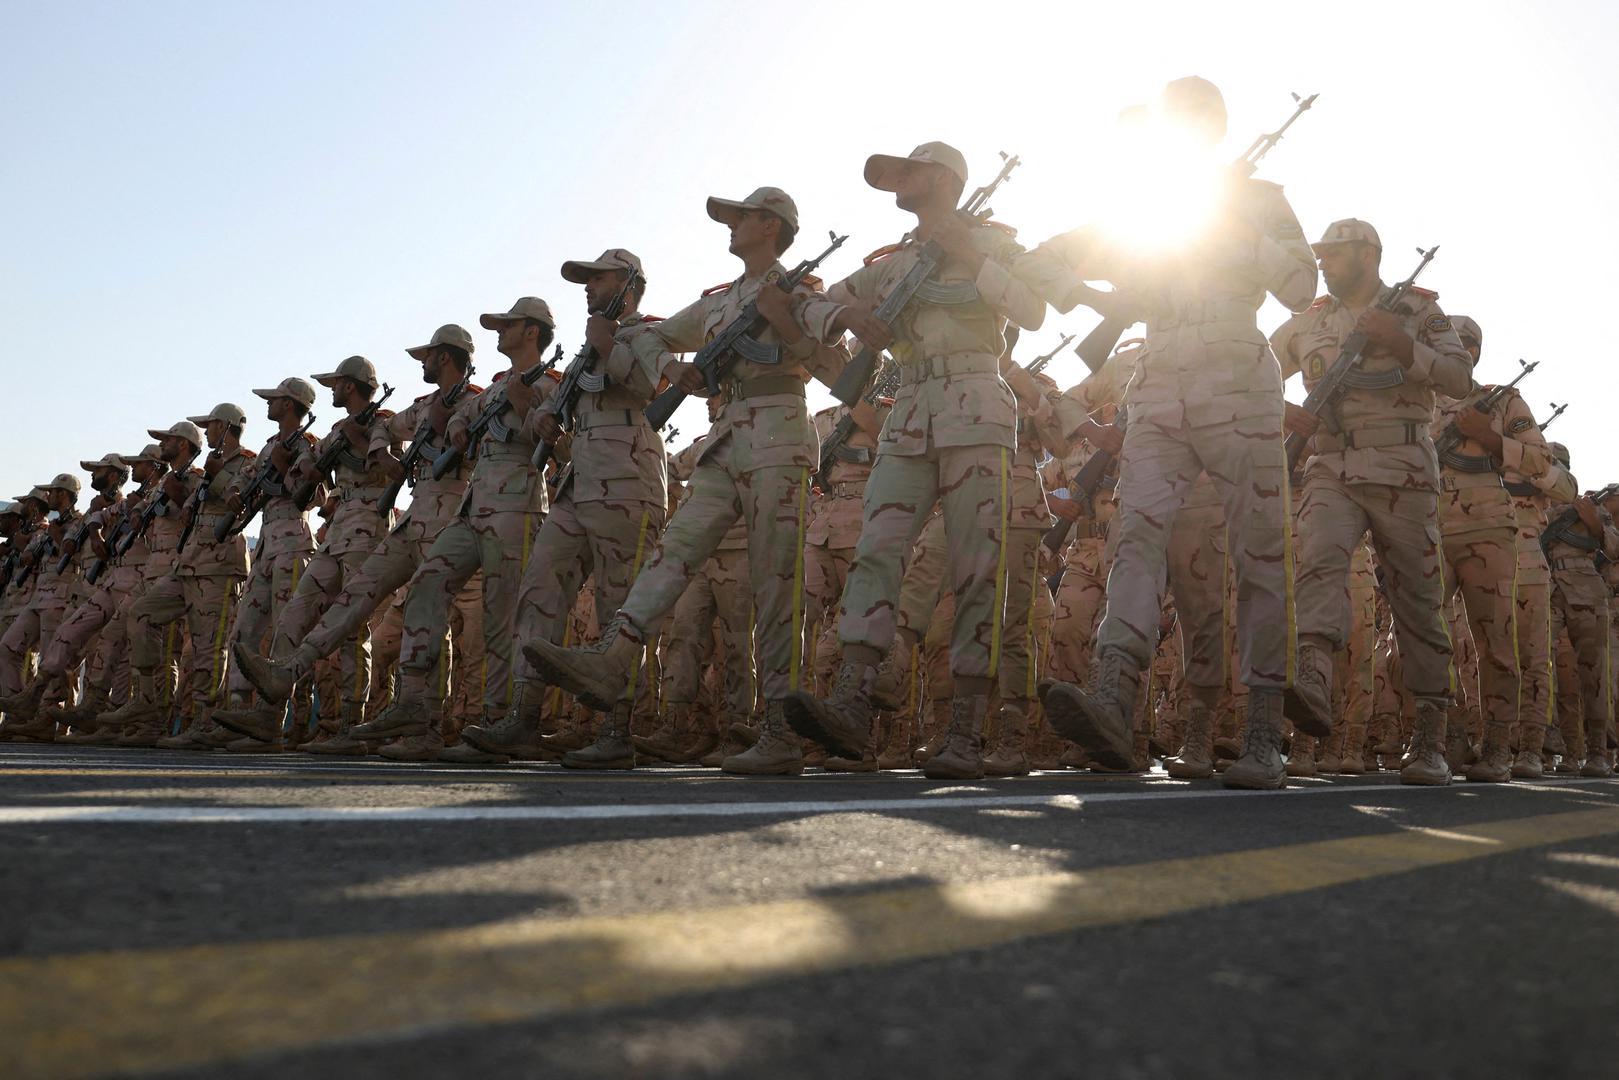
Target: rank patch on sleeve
point(1438, 324)
point(1521, 424)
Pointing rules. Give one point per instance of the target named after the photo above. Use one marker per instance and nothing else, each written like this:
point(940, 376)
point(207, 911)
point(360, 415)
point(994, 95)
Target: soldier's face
point(61, 500)
point(748, 231)
point(511, 337)
point(1344, 267)
point(173, 446)
point(602, 286)
point(916, 185)
point(432, 364)
point(215, 434)
point(103, 480)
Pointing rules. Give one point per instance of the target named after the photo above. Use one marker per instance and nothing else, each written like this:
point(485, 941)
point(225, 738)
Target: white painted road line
point(248, 815)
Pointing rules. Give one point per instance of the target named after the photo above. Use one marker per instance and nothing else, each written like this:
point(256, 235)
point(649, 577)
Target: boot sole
point(399, 731)
point(1303, 717)
point(1071, 718)
point(1258, 783)
point(619, 765)
point(800, 710)
point(589, 691)
point(248, 728)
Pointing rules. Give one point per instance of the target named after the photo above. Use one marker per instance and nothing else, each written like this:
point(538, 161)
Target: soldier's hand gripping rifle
point(193, 505)
point(339, 446)
point(1090, 477)
point(738, 341)
point(1118, 312)
point(580, 377)
point(493, 410)
point(256, 494)
point(47, 548)
point(852, 383)
point(418, 447)
point(74, 543)
point(1557, 410)
point(1562, 527)
point(887, 382)
point(1447, 446)
point(1344, 372)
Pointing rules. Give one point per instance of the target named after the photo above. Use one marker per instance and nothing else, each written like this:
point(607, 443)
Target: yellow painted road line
point(140, 1010)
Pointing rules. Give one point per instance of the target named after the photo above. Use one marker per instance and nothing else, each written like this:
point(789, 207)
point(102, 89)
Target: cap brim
point(496, 319)
point(92, 466)
point(200, 421)
point(882, 171)
point(271, 394)
point(327, 379)
point(158, 435)
point(419, 352)
point(727, 211)
point(579, 271)
point(1316, 247)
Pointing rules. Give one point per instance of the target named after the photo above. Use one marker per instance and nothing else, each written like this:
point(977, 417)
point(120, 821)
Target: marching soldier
point(36, 623)
point(1372, 467)
point(756, 465)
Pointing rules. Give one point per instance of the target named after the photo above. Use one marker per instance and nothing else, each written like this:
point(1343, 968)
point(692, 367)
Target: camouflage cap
point(578, 271)
point(773, 199)
point(64, 482)
point(1348, 231)
point(295, 388)
point(526, 307)
point(38, 494)
point(9, 507)
point(357, 368)
point(1560, 452)
point(185, 429)
point(884, 170)
point(448, 334)
point(108, 461)
point(151, 455)
point(1467, 329)
point(231, 414)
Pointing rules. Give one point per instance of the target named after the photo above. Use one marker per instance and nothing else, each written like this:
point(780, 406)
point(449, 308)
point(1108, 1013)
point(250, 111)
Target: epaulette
point(812, 283)
point(425, 397)
point(886, 402)
point(385, 414)
point(1426, 294)
point(649, 318)
point(474, 388)
point(249, 454)
point(499, 375)
point(1320, 302)
point(553, 374)
point(717, 289)
point(884, 252)
point(314, 440)
point(1005, 228)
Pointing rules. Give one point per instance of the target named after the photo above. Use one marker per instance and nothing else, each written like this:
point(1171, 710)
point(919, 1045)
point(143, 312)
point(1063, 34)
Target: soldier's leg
point(1017, 678)
point(154, 644)
point(1586, 617)
point(318, 585)
point(255, 616)
point(1197, 571)
point(387, 635)
point(1077, 608)
point(1485, 566)
point(16, 643)
point(1535, 660)
point(682, 652)
point(369, 581)
point(506, 543)
point(551, 581)
point(921, 584)
point(731, 584)
point(469, 669)
point(1356, 668)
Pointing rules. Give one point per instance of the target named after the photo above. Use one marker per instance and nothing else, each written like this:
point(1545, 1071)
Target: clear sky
point(205, 197)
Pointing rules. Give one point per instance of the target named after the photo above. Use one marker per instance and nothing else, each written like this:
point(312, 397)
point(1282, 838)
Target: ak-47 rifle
point(418, 448)
point(887, 382)
point(1038, 364)
point(8, 565)
point(74, 543)
point(47, 550)
point(738, 341)
point(580, 377)
point(1561, 528)
point(493, 409)
point(1090, 477)
point(154, 508)
point(340, 445)
point(852, 383)
point(1119, 313)
point(256, 494)
point(1344, 372)
point(1557, 410)
point(1449, 441)
point(193, 505)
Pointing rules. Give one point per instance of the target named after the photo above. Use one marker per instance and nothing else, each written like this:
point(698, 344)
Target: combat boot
point(841, 723)
point(701, 737)
point(960, 756)
point(464, 753)
point(893, 678)
point(1528, 764)
point(900, 736)
point(1596, 755)
point(261, 722)
point(96, 700)
point(669, 741)
point(343, 742)
point(1261, 766)
point(424, 747)
point(517, 733)
point(938, 722)
point(202, 735)
point(1494, 764)
point(731, 742)
point(1426, 763)
point(1458, 750)
point(778, 749)
point(612, 748)
point(1008, 757)
point(37, 729)
point(407, 714)
point(596, 674)
point(1329, 753)
point(21, 707)
point(1100, 717)
point(275, 679)
point(1196, 759)
point(1301, 758)
point(249, 745)
point(1308, 702)
point(141, 708)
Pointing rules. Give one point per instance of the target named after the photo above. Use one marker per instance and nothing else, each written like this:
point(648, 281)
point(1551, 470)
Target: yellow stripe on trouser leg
point(1002, 511)
point(1031, 642)
point(522, 566)
point(798, 585)
point(1292, 640)
point(635, 569)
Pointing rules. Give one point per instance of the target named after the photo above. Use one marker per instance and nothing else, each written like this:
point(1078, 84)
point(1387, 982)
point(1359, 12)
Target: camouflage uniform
point(1580, 606)
point(37, 619)
point(834, 531)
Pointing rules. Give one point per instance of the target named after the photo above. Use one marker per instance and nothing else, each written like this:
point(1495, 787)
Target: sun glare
point(1162, 193)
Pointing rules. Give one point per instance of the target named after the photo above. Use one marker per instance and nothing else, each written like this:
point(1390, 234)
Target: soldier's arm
point(1057, 270)
point(682, 332)
point(1438, 357)
point(1282, 344)
point(1286, 263)
point(1558, 483)
point(1076, 404)
point(1523, 447)
point(628, 368)
point(1000, 288)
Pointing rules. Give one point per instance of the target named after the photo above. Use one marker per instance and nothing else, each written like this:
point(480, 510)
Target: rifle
point(1341, 375)
point(580, 377)
point(329, 458)
point(492, 411)
point(738, 341)
point(155, 506)
point(254, 496)
point(76, 541)
point(1562, 526)
point(1451, 438)
point(853, 381)
point(418, 448)
point(194, 504)
point(1558, 410)
point(47, 549)
point(1118, 312)
point(1091, 475)
point(887, 382)
point(1038, 364)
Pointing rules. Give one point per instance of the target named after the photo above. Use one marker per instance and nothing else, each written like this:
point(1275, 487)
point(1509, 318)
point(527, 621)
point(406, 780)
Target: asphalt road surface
point(282, 916)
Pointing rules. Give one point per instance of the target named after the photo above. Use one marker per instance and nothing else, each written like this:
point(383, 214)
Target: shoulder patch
point(717, 289)
point(884, 252)
point(1320, 302)
point(426, 397)
point(314, 440)
point(1437, 323)
point(499, 375)
point(1426, 294)
point(1522, 423)
point(554, 375)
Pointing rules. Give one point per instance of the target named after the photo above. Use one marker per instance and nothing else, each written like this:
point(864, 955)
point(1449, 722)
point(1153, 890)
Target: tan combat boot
point(81, 717)
point(841, 723)
point(1308, 702)
point(776, 753)
point(960, 756)
point(409, 713)
point(1196, 759)
point(670, 740)
point(1494, 764)
point(517, 733)
point(612, 748)
point(1301, 757)
point(202, 735)
point(933, 731)
point(1426, 763)
point(141, 708)
point(596, 674)
point(1528, 764)
point(1008, 757)
point(701, 736)
point(274, 679)
point(897, 747)
point(21, 707)
point(1597, 764)
point(261, 722)
point(1261, 766)
point(343, 742)
point(141, 733)
point(1458, 750)
point(1099, 718)
point(1329, 753)
point(890, 685)
point(424, 747)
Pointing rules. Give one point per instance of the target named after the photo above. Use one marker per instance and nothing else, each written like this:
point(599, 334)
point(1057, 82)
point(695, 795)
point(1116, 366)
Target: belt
point(1521, 488)
point(350, 492)
point(1202, 311)
point(1368, 438)
point(1088, 530)
point(1452, 481)
point(844, 488)
point(764, 386)
point(612, 418)
point(937, 367)
point(1574, 562)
